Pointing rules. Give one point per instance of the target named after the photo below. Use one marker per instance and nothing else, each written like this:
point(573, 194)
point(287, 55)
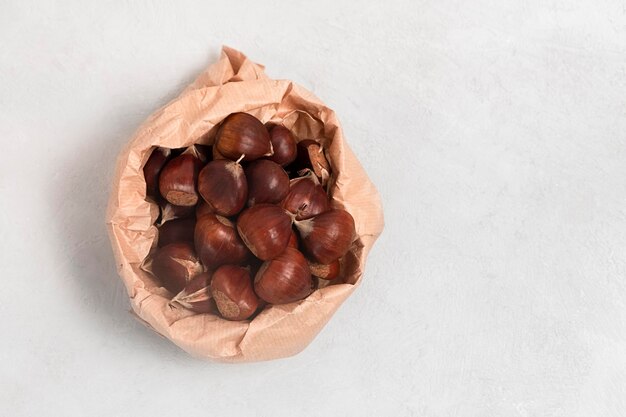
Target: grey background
point(493, 129)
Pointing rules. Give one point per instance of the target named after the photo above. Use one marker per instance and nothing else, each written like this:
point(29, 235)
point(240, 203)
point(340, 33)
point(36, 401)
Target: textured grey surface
point(495, 131)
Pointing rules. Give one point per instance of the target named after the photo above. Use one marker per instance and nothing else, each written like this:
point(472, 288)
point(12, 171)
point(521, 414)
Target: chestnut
point(283, 144)
point(175, 265)
point(267, 182)
point(232, 290)
point(306, 197)
point(293, 240)
point(222, 184)
point(326, 272)
point(151, 170)
point(217, 242)
point(178, 230)
point(196, 296)
point(243, 134)
point(284, 279)
point(327, 236)
point(265, 229)
point(177, 182)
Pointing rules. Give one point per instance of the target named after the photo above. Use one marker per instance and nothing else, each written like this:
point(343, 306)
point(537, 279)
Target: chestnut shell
point(223, 186)
point(178, 178)
point(306, 198)
point(232, 290)
point(217, 242)
point(267, 182)
point(243, 134)
point(284, 146)
point(284, 279)
point(265, 229)
point(328, 236)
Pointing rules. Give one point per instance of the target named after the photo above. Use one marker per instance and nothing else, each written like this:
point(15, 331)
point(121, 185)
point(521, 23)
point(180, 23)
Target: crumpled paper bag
point(236, 84)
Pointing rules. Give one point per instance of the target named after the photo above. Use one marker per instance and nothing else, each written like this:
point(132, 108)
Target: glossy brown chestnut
point(284, 279)
point(233, 292)
point(327, 236)
point(326, 272)
point(222, 184)
point(243, 134)
point(267, 182)
point(217, 242)
point(196, 296)
point(157, 160)
point(175, 265)
point(293, 240)
point(177, 182)
point(306, 197)
point(178, 230)
point(284, 145)
point(265, 229)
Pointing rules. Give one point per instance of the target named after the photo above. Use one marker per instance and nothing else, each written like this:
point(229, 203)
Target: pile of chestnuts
point(247, 222)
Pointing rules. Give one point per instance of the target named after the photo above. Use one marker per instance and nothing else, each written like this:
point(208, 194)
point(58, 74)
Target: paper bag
point(236, 84)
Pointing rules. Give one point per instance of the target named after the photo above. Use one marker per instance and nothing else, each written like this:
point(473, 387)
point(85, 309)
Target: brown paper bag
point(236, 84)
